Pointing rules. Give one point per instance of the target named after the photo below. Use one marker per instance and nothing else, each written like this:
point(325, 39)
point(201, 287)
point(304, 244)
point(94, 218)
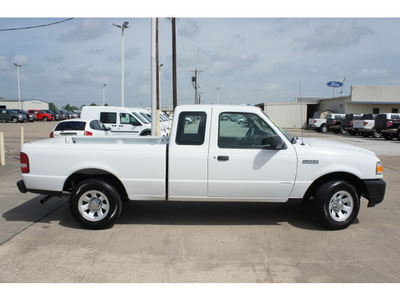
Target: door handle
point(223, 158)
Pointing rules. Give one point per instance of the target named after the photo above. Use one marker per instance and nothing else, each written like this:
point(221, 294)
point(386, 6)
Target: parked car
point(57, 115)
point(30, 117)
point(366, 126)
point(388, 125)
point(318, 121)
point(119, 119)
point(9, 115)
point(80, 127)
point(62, 113)
point(42, 115)
point(333, 122)
point(347, 126)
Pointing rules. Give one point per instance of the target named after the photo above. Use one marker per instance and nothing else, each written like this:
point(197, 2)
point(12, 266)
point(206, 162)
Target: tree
point(52, 106)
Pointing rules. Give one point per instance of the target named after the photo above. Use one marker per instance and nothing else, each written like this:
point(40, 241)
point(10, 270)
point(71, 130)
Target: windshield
point(140, 118)
point(146, 116)
point(287, 135)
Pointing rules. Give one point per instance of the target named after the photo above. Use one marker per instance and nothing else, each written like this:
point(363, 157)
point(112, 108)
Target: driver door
point(241, 165)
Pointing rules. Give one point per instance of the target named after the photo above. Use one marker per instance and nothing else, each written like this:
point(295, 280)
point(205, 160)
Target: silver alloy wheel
point(93, 205)
point(341, 206)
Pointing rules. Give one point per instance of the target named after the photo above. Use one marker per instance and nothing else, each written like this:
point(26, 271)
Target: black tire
point(146, 133)
point(376, 134)
point(336, 205)
point(387, 136)
point(324, 128)
point(95, 204)
point(14, 120)
point(45, 119)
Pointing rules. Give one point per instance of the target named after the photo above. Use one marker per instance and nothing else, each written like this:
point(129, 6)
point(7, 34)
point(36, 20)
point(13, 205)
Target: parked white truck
point(208, 159)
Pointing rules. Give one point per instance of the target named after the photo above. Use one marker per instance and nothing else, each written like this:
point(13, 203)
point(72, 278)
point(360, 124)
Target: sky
point(252, 57)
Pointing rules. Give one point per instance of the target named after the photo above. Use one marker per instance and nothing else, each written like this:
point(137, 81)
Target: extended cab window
point(243, 130)
point(191, 128)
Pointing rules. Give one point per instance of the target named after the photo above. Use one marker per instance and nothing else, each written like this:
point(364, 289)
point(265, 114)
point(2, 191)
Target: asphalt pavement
point(197, 242)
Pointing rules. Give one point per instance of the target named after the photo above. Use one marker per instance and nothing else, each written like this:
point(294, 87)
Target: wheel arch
point(337, 176)
point(84, 174)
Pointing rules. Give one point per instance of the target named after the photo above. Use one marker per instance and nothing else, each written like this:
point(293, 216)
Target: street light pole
point(218, 88)
point(104, 91)
point(19, 90)
point(123, 27)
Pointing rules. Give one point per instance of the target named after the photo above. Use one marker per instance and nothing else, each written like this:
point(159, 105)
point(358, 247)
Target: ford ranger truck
point(209, 159)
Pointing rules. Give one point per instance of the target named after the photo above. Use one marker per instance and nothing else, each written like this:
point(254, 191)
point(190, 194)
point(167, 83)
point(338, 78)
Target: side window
point(108, 117)
point(191, 128)
point(126, 118)
point(95, 125)
point(243, 130)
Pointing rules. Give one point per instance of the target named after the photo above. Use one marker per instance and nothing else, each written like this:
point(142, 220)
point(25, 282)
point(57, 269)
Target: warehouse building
point(362, 99)
point(25, 104)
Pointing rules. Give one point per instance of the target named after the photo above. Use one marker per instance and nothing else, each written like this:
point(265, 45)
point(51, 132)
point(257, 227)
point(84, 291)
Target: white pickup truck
point(209, 159)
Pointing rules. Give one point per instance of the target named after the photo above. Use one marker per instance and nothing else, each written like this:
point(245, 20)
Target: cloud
point(4, 63)
point(129, 54)
point(373, 73)
point(336, 36)
point(87, 29)
point(20, 59)
point(189, 28)
point(57, 58)
point(83, 75)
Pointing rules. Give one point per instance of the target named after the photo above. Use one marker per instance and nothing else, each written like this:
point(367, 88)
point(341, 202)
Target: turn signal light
point(88, 133)
point(379, 168)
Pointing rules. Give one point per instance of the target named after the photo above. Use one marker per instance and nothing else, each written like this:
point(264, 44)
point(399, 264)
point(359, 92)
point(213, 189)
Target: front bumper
point(375, 191)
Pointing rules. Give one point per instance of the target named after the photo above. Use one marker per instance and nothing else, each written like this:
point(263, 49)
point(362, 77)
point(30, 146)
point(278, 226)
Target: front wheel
point(95, 203)
point(336, 204)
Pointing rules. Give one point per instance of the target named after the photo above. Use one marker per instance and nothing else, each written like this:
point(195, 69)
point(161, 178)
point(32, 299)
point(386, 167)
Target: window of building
point(375, 111)
point(395, 110)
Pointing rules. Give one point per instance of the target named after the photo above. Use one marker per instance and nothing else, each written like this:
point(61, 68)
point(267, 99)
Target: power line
point(37, 26)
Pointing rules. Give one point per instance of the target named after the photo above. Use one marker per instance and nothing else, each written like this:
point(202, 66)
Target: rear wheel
point(14, 120)
point(95, 203)
point(324, 128)
point(336, 204)
point(376, 134)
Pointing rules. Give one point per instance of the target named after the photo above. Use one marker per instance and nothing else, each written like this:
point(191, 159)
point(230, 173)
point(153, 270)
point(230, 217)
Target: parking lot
point(196, 242)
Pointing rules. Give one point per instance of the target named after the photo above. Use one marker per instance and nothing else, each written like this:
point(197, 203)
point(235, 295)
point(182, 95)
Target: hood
point(331, 148)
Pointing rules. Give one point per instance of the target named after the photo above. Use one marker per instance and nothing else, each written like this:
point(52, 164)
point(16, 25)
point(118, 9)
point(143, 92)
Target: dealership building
point(25, 104)
point(362, 99)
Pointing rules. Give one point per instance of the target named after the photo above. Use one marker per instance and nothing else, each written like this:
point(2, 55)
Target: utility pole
point(155, 103)
point(195, 85)
point(19, 90)
point(174, 84)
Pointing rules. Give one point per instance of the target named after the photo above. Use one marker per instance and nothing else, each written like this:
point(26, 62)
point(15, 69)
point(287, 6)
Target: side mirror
point(273, 143)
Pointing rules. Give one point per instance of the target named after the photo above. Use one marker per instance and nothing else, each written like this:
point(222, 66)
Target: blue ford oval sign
point(334, 84)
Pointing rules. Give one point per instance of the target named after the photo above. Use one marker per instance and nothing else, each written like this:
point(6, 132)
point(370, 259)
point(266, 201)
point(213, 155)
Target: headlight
point(379, 168)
